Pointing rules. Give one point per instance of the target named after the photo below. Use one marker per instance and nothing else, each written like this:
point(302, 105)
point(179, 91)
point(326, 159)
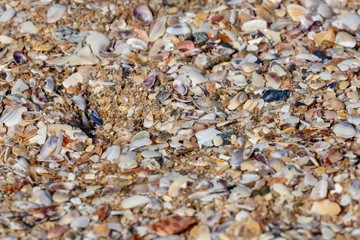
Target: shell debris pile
point(180, 119)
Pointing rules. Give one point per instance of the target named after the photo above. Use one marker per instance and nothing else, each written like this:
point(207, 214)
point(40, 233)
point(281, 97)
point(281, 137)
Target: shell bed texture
point(176, 120)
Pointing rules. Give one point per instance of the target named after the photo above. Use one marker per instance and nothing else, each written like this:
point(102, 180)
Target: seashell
point(277, 164)
point(112, 153)
point(354, 119)
point(275, 95)
point(354, 189)
point(345, 39)
point(80, 222)
point(57, 232)
point(238, 79)
point(19, 87)
point(95, 117)
point(150, 81)
point(134, 201)
point(48, 148)
point(238, 192)
point(320, 190)
point(237, 100)
point(218, 141)
point(137, 43)
point(176, 186)
point(185, 45)
point(344, 129)
point(12, 117)
point(142, 13)
point(309, 179)
point(200, 37)
point(128, 160)
point(180, 87)
point(200, 232)
point(158, 29)
point(49, 85)
point(326, 207)
point(80, 102)
point(98, 42)
point(254, 25)
point(351, 21)
point(60, 197)
point(206, 136)
point(325, 10)
point(43, 196)
point(173, 225)
point(25, 205)
point(8, 14)
point(55, 13)
point(295, 11)
point(249, 178)
point(179, 29)
point(149, 120)
point(31, 116)
point(19, 58)
point(273, 80)
point(38, 97)
point(28, 27)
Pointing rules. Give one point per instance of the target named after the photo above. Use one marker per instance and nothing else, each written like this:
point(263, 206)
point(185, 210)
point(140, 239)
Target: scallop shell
point(295, 11)
point(254, 25)
point(344, 130)
point(345, 39)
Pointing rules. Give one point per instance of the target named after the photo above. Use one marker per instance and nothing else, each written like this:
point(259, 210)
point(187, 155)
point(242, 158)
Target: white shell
point(158, 29)
point(320, 190)
point(295, 12)
point(149, 120)
point(345, 39)
point(206, 136)
point(134, 201)
point(13, 117)
point(137, 43)
point(28, 27)
point(179, 29)
point(98, 42)
point(128, 160)
point(354, 119)
point(80, 222)
point(344, 129)
point(350, 21)
point(112, 153)
point(55, 13)
point(8, 14)
point(254, 25)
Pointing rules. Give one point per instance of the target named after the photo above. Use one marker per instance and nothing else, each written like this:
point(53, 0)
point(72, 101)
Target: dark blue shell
point(273, 95)
point(95, 117)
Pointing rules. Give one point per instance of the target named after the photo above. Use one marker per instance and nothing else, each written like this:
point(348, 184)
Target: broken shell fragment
point(179, 29)
point(55, 13)
point(254, 25)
